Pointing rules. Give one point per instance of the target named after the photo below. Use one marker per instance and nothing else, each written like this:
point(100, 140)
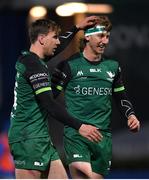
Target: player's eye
point(55, 36)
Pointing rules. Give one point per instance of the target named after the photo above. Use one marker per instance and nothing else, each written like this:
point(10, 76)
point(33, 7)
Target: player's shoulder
point(27, 62)
point(70, 60)
point(28, 58)
point(111, 61)
point(75, 58)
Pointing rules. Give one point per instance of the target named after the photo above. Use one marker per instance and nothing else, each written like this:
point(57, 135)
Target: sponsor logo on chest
point(92, 70)
point(90, 91)
point(95, 70)
point(107, 75)
point(36, 163)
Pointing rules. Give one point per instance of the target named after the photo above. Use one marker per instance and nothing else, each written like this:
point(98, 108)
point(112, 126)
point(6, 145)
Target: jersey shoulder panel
point(30, 60)
point(113, 65)
point(74, 58)
point(111, 61)
point(30, 63)
point(76, 64)
point(61, 65)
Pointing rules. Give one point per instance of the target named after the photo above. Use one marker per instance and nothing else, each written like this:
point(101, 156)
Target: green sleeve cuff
point(60, 88)
point(42, 90)
point(119, 89)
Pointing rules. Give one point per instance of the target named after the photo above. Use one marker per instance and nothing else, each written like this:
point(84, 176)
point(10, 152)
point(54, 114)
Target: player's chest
point(99, 72)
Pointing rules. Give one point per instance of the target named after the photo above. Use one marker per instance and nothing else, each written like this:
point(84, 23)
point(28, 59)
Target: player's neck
point(91, 56)
point(37, 50)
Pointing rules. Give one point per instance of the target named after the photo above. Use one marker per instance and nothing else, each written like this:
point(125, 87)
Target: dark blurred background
point(129, 45)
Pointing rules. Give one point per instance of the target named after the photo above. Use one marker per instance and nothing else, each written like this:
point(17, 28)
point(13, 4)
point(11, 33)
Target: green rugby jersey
point(28, 119)
point(89, 87)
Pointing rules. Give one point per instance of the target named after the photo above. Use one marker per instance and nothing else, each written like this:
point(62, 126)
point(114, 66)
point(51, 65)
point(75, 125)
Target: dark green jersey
point(89, 87)
point(28, 120)
point(34, 102)
point(88, 94)
point(29, 113)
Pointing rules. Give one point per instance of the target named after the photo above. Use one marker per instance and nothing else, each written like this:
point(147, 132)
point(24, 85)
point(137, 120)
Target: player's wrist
point(131, 116)
point(78, 27)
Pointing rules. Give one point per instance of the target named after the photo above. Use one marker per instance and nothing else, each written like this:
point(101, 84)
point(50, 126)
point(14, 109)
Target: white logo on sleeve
point(68, 33)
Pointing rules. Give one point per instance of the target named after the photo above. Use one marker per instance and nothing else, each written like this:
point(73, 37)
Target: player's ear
point(87, 38)
point(41, 38)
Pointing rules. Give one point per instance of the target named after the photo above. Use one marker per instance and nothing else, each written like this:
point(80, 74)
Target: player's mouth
point(54, 49)
point(102, 46)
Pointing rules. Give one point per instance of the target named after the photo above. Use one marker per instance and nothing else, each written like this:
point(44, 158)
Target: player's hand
point(133, 123)
point(90, 132)
point(87, 22)
point(57, 76)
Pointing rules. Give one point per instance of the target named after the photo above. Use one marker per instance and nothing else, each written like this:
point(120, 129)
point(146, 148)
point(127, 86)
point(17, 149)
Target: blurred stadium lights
point(25, 4)
point(85, 6)
point(38, 11)
point(69, 9)
point(100, 8)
